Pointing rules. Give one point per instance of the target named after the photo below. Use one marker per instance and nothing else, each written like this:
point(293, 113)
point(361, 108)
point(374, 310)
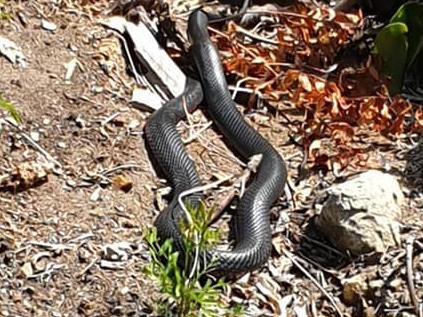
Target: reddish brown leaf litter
point(310, 38)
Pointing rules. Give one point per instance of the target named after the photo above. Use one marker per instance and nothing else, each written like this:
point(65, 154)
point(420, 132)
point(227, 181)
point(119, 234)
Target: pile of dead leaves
point(329, 115)
point(307, 42)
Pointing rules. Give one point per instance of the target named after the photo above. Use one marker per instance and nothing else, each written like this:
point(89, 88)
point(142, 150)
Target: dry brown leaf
point(313, 37)
point(123, 183)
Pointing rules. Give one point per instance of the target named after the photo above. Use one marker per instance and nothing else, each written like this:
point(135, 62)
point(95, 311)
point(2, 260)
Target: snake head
point(197, 26)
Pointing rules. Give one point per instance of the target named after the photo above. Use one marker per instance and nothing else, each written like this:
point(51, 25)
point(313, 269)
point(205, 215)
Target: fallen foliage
point(308, 42)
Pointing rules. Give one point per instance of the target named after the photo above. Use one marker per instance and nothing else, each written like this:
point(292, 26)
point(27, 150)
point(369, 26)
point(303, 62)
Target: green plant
point(10, 108)
point(184, 294)
point(391, 51)
point(4, 15)
point(399, 45)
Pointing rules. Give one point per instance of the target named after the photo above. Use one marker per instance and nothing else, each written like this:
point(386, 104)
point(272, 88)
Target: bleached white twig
point(315, 282)
point(238, 85)
point(120, 167)
point(189, 218)
point(31, 142)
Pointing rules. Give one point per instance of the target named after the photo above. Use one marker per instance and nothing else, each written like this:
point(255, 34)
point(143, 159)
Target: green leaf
point(411, 14)
point(4, 15)
point(390, 50)
point(186, 296)
point(6, 105)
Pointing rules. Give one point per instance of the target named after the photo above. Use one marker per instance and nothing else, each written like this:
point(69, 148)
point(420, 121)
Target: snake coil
point(252, 218)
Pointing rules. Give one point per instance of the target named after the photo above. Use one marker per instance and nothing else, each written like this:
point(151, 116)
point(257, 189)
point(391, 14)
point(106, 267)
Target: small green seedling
point(10, 109)
point(184, 295)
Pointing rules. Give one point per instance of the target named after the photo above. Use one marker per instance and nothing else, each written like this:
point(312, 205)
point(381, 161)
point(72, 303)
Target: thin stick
point(33, 143)
point(222, 206)
point(197, 190)
point(240, 82)
point(251, 167)
point(110, 118)
point(243, 89)
point(209, 145)
point(189, 218)
point(120, 167)
point(307, 260)
point(140, 79)
point(87, 268)
point(315, 282)
point(323, 245)
point(255, 36)
point(246, 49)
point(196, 134)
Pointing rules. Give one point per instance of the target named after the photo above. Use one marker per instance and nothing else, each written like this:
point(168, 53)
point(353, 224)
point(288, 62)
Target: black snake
point(252, 218)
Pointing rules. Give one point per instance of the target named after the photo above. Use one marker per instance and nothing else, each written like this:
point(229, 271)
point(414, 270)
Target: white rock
point(70, 68)
point(61, 145)
point(12, 52)
point(96, 194)
point(47, 25)
point(362, 214)
point(35, 136)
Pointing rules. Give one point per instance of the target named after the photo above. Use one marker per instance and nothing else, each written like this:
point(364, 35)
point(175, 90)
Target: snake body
point(252, 218)
point(169, 152)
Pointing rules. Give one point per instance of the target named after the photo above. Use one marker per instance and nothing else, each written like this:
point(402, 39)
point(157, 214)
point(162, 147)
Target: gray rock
point(361, 215)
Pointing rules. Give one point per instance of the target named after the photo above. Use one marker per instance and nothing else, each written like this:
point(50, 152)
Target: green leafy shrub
point(184, 294)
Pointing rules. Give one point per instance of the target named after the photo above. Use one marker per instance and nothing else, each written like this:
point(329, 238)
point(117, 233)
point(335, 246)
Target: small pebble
point(62, 145)
point(16, 82)
point(95, 195)
point(396, 283)
point(97, 89)
point(71, 183)
point(47, 25)
point(80, 123)
point(133, 124)
point(35, 136)
point(73, 48)
point(107, 67)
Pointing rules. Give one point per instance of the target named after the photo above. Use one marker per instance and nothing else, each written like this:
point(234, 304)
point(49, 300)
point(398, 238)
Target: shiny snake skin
point(252, 246)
